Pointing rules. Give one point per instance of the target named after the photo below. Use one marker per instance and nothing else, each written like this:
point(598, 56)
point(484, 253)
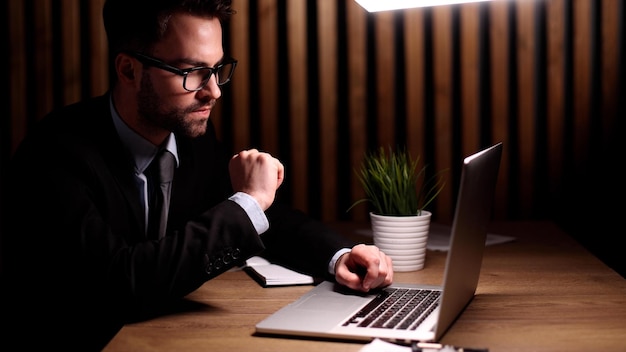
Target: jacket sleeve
point(300, 242)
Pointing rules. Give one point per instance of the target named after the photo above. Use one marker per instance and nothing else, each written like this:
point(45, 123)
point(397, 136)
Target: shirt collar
point(141, 150)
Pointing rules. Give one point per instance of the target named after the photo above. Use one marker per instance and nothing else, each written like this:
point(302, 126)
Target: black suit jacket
point(74, 245)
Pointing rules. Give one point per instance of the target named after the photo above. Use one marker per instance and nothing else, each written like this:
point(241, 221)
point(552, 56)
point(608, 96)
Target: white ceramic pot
point(403, 238)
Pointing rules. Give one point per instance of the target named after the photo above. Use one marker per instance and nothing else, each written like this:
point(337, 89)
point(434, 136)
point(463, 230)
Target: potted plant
point(394, 185)
point(398, 191)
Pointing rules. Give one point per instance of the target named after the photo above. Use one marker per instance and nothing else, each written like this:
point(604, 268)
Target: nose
point(211, 88)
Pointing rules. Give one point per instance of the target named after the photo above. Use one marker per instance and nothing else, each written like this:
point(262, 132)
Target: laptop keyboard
point(396, 308)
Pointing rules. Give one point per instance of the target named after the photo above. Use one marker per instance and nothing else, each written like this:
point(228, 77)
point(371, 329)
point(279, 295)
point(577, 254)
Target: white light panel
point(385, 5)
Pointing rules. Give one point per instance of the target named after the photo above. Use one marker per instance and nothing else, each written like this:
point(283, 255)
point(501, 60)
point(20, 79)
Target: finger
point(348, 278)
point(379, 272)
point(389, 278)
point(243, 153)
point(249, 152)
point(372, 276)
point(345, 275)
point(385, 272)
point(280, 174)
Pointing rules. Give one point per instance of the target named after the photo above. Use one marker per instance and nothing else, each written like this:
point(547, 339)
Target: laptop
point(421, 313)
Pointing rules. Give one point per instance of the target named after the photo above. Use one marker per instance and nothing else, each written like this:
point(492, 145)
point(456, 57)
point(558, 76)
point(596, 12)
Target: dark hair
point(139, 24)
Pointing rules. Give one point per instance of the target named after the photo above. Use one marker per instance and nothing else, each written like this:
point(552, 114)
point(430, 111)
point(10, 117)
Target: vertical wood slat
point(385, 89)
point(555, 89)
point(415, 90)
point(582, 79)
point(18, 101)
point(298, 102)
point(527, 104)
point(610, 20)
point(329, 113)
point(442, 61)
point(470, 79)
point(499, 86)
point(357, 95)
point(99, 53)
point(70, 46)
point(267, 35)
point(43, 61)
point(240, 46)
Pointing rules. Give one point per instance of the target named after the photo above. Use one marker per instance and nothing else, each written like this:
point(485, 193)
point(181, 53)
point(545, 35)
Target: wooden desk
point(543, 292)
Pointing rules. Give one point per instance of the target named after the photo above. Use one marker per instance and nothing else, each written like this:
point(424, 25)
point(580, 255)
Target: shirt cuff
point(253, 209)
point(335, 258)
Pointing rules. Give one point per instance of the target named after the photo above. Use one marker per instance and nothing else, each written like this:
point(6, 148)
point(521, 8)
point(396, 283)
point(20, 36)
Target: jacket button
point(217, 264)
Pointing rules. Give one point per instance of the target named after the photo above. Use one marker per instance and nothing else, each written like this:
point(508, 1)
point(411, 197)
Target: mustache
point(209, 103)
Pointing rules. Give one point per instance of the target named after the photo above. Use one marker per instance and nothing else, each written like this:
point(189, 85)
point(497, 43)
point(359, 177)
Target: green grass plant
point(394, 183)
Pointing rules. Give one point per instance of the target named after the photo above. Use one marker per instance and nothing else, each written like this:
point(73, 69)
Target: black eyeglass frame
point(154, 62)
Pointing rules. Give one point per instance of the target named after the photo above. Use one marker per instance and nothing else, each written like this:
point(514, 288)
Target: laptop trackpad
point(331, 301)
point(320, 309)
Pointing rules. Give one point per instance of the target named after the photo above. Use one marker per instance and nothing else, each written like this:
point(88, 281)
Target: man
point(82, 255)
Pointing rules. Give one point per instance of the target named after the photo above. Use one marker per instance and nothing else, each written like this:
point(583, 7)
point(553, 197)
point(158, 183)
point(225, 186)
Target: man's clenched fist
point(258, 174)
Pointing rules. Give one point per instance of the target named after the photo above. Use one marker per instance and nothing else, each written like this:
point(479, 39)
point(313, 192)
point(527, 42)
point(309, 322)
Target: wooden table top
point(542, 292)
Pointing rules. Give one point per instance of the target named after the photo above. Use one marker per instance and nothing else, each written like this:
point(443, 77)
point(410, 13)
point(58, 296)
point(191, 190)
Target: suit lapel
point(118, 160)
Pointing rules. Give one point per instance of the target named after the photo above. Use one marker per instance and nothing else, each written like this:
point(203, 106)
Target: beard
point(153, 112)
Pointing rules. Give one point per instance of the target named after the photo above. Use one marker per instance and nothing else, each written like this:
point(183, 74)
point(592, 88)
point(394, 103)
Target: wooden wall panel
point(610, 45)
point(267, 70)
point(71, 61)
point(98, 50)
point(320, 83)
point(499, 93)
point(414, 45)
point(356, 21)
point(298, 101)
point(443, 99)
point(556, 69)
point(470, 79)
point(526, 103)
point(328, 74)
point(43, 61)
point(18, 97)
point(240, 87)
point(385, 79)
point(582, 80)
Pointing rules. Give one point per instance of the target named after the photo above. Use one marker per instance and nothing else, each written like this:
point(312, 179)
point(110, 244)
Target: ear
point(126, 68)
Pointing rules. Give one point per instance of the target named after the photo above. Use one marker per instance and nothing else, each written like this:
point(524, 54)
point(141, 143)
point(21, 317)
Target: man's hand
point(363, 268)
point(257, 174)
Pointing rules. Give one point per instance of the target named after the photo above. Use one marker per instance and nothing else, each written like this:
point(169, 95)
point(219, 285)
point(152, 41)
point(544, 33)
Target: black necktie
point(160, 174)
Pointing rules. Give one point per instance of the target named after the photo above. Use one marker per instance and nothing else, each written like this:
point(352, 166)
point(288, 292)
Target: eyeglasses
point(194, 78)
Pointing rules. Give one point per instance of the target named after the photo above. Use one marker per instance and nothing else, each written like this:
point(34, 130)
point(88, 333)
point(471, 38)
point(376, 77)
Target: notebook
point(330, 310)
